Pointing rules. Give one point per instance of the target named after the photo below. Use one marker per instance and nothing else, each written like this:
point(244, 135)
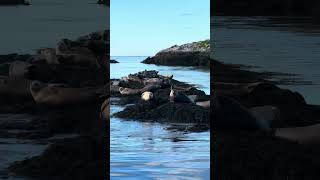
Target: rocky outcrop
point(60, 91)
point(192, 54)
point(158, 108)
point(13, 2)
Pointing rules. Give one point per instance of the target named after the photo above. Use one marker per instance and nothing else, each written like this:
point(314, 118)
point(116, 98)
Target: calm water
point(289, 45)
point(149, 150)
point(27, 28)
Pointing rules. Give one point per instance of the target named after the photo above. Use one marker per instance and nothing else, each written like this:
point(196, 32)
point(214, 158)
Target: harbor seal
point(147, 96)
point(128, 91)
point(70, 53)
point(150, 87)
point(57, 95)
point(153, 81)
point(228, 114)
point(19, 69)
point(49, 55)
point(205, 104)
point(301, 135)
point(179, 97)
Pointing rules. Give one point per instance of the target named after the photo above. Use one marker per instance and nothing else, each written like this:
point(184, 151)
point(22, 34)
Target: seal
point(19, 69)
point(57, 95)
point(179, 97)
point(147, 96)
point(205, 104)
point(68, 53)
point(150, 87)
point(49, 55)
point(128, 91)
point(105, 110)
point(153, 81)
point(301, 135)
point(228, 114)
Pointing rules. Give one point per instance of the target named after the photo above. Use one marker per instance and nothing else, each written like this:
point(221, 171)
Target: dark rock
point(193, 54)
point(113, 61)
point(80, 158)
point(105, 2)
point(14, 2)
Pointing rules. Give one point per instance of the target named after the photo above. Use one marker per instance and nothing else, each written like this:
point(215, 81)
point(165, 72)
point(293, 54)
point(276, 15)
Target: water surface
point(27, 28)
point(288, 45)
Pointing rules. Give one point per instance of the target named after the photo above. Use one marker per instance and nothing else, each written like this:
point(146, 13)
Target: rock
point(14, 2)
point(70, 53)
point(78, 158)
point(49, 54)
point(229, 114)
point(192, 54)
point(113, 61)
point(269, 94)
point(105, 2)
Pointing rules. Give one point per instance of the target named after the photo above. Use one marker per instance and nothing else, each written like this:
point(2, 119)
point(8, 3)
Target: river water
point(288, 45)
point(150, 150)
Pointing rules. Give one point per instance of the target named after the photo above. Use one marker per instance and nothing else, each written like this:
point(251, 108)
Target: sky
point(144, 27)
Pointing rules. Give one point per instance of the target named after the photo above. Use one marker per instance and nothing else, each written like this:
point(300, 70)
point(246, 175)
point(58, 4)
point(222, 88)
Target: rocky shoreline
point(195, 54)
point(59, 97)
point(261, 131)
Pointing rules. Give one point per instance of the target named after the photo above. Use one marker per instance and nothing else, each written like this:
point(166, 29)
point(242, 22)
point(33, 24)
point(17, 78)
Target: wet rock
point(79, 158)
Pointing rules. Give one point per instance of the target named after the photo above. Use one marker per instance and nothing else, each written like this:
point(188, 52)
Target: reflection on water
point(289, 45)
point(27, 28)
point(149, 150)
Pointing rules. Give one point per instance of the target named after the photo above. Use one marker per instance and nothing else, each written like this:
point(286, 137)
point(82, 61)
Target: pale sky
point(144, 27)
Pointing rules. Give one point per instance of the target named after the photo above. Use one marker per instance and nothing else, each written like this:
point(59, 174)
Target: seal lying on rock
point(128, 91)
point(179, 97)
point(205, 104)
point(302, 135)
point(69, 53)
point(58, 95)
point(49, 55)
point(147, 96)
point(19, 69)
point(228, 114)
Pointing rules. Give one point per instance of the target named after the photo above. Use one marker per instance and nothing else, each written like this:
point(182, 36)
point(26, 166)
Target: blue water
point(27, 28)
point(288, 45)
point(149, 150)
